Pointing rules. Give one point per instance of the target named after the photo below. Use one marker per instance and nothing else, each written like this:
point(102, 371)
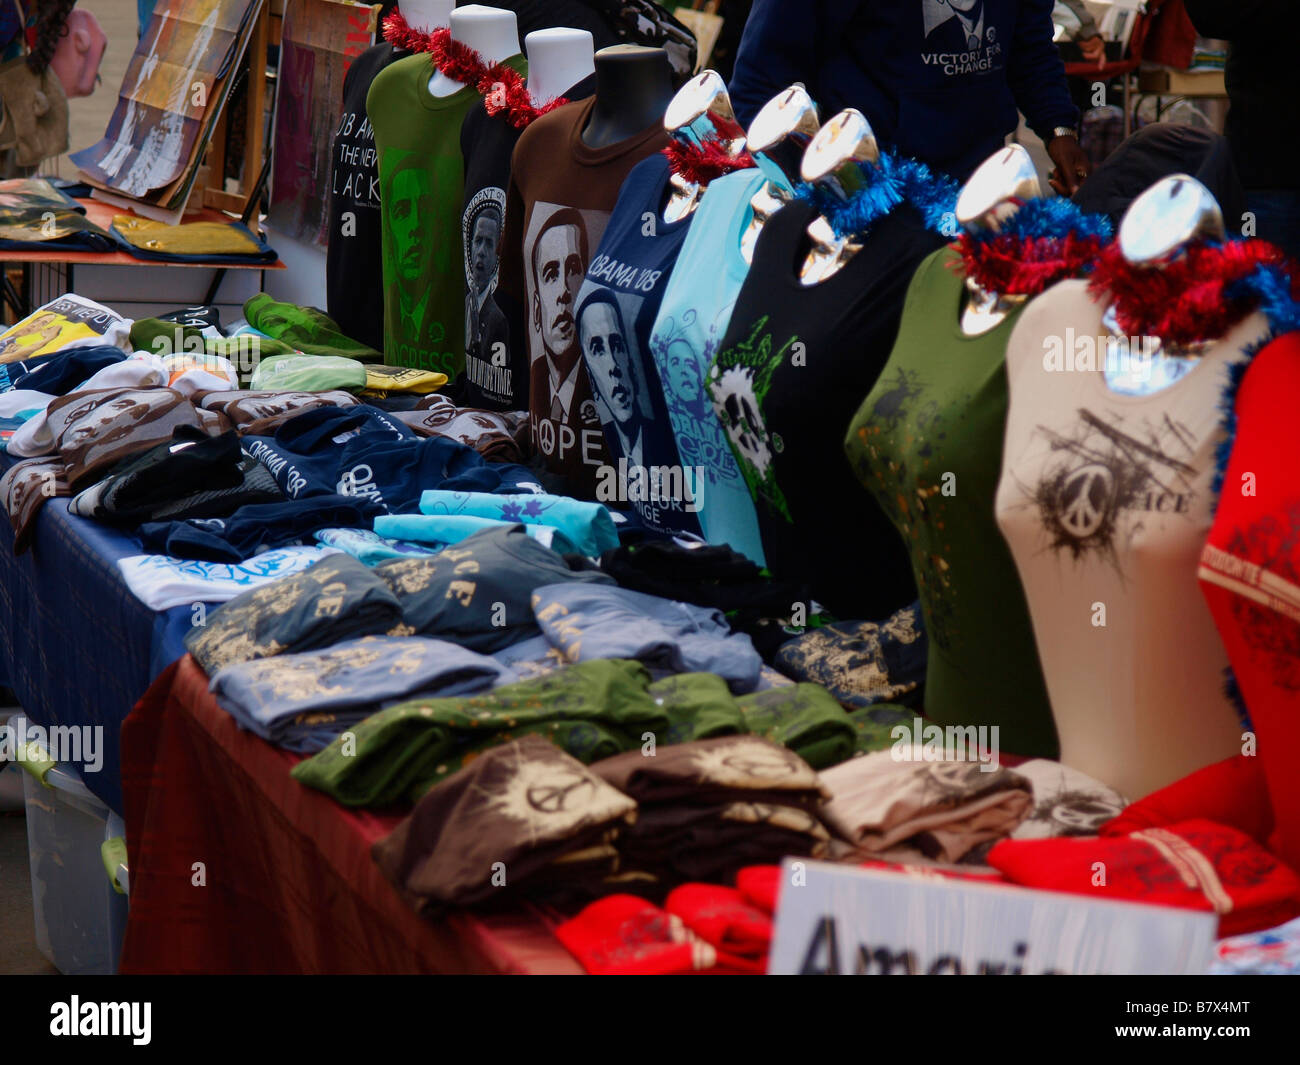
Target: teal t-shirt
point(692, 320)
point(421, 188)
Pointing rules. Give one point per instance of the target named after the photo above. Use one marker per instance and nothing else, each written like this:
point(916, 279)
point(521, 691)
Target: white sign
point(848, 920)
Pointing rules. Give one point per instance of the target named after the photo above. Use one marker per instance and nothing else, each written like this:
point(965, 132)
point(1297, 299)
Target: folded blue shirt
point(588, 621)
point(303, 701)
point(586, 526)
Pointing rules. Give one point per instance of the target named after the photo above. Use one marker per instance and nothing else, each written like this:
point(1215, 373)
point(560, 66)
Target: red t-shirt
point(1250, 573)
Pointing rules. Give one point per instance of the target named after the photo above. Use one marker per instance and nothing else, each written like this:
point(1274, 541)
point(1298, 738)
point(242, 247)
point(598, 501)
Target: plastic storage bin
point(80, 917)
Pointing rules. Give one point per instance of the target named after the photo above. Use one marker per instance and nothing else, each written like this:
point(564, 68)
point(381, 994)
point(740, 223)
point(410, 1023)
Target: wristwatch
point(1064, 131)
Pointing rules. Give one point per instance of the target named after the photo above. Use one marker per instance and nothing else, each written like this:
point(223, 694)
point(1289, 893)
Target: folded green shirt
point(391, 753)
point(805, 718)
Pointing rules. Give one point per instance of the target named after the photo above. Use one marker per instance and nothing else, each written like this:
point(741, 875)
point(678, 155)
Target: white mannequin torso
point(493, 32)
point(557, 60)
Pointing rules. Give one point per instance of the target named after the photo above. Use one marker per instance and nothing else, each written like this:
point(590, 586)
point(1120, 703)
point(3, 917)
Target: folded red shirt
point(1196, 865)
point(622, 935)
point(722, 917)
point(761, 886)
point(1232, 792)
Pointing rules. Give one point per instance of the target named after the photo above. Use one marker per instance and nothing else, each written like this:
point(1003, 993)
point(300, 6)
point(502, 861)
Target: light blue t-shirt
point(692, 320)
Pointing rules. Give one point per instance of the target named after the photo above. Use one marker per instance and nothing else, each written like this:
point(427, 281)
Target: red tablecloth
point(237, 868)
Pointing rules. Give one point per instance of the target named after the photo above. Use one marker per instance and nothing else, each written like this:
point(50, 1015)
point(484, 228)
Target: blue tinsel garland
point(1049, 219)
point(890, 181)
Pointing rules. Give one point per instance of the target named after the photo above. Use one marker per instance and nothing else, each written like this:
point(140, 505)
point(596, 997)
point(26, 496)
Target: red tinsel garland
point(504, 90)
point(700, 164)
point(1013, 265)
point(1183, 301)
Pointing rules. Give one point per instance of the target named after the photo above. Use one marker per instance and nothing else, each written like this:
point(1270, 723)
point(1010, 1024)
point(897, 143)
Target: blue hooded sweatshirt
point(939, 80)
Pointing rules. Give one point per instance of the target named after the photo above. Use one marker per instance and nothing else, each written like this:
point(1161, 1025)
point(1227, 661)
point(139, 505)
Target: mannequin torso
point(426, 15)
point(778, 138)
point(831, 162)
point(490, 31)
point(633, 89)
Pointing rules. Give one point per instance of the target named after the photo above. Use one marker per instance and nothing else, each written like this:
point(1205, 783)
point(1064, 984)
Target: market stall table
point(76, 645)
point(235, 867)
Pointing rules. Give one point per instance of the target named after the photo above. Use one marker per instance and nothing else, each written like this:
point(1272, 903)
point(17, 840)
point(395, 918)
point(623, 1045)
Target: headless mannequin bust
point(634, 86)
point(778, 138)
point(1174, 212)
point(993, 194)
point(557, 60)
point(491, 31)
point(701, 111)
point(831, 163)
point(426, 15)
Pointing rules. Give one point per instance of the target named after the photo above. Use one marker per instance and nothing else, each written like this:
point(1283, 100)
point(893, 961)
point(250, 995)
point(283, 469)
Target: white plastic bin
point(80, 917)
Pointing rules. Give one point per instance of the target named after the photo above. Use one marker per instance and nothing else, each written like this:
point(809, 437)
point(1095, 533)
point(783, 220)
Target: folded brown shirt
point(719, 770)
point(946, 808)
point(511, 813)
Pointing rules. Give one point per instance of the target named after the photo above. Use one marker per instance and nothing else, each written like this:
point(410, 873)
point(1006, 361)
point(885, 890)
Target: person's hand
point(1094, 50)
point(1072, 165)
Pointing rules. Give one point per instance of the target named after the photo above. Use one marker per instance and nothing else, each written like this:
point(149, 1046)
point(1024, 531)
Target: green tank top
point(927, 443)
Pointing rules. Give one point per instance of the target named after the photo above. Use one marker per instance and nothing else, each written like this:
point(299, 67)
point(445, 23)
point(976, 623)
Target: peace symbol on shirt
point(1087, 496)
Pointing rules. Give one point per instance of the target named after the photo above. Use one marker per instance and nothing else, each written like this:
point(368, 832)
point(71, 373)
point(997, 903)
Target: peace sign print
point(1087, 499)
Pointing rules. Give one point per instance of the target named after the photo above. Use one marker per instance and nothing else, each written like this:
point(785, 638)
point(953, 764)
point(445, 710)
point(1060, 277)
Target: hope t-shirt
point(795, 363)
point(496, 371)
point(616, 311)
point(694, 311)
point(421, 178)
point(354, 275)
point(561, 194)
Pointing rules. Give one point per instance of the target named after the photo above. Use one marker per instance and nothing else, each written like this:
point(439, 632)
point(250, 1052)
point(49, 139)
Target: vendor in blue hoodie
point(939, 80)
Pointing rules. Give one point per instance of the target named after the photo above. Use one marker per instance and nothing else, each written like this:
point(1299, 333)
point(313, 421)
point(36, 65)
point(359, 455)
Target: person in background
point(939, 80)
point(1263, 89)
point(1082, 32)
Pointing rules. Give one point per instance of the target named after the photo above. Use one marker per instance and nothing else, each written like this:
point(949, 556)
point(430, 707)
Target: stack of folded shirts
point(1066, 802)
point(193, 475)
point(303, 701)
point(944, 808)
point(709, 807)
point(506, 819)
point(590, 711)
point(493, 434)
point(336, 599)
point(1194, 865)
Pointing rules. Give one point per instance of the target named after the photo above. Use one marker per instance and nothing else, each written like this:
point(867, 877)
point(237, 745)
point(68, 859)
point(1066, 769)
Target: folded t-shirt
point(588, 622)
point(478, 593)
point(336, 599)
point(302, 701)
point(587, 526)
point(1195, 865)
point(162, 582)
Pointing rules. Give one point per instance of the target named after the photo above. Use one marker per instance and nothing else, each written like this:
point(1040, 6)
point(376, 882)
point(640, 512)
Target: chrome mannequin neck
point(1157, 228)
point(778, 138)
point(701, 111)
point(994, 193)
point(831, 162)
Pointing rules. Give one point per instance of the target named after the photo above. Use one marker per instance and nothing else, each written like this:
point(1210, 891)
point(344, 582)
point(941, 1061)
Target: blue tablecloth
point(76, 646)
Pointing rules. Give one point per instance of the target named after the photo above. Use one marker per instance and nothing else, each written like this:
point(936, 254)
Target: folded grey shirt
point(588, 621)
point(302, 701)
